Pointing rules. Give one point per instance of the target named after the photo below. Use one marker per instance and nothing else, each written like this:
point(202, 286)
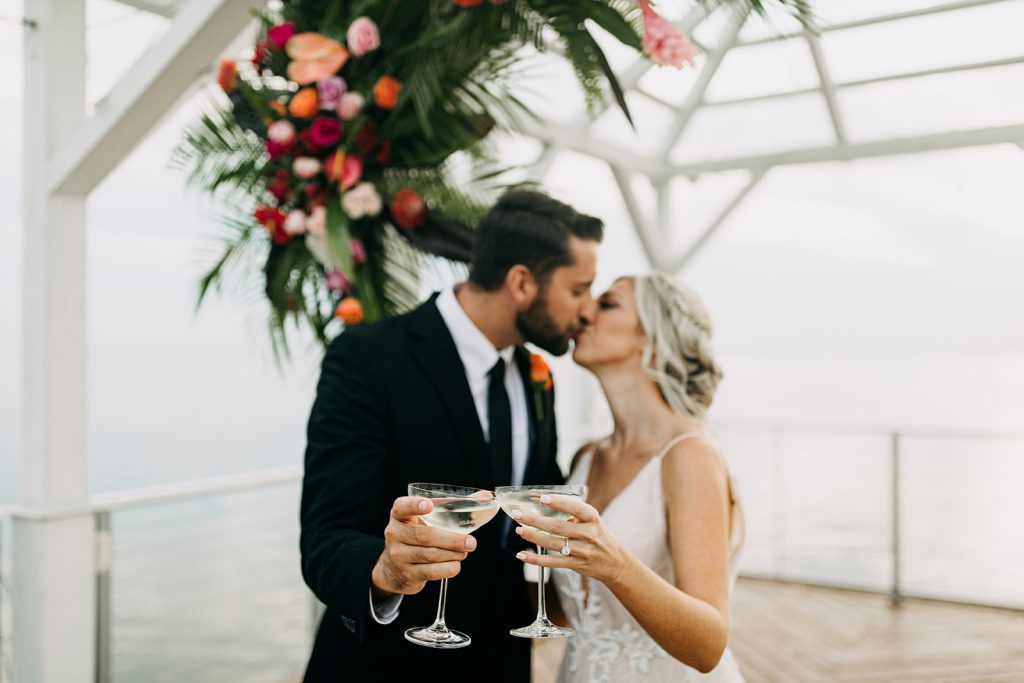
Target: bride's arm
point(690, 620)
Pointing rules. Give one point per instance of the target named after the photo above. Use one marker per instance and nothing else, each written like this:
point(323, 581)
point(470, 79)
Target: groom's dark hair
point(530, 228)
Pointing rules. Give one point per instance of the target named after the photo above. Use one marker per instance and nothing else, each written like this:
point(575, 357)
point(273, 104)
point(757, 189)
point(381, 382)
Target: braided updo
point(677, 353)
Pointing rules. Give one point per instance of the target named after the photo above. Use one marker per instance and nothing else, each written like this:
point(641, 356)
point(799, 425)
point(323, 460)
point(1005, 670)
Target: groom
point(443, 394)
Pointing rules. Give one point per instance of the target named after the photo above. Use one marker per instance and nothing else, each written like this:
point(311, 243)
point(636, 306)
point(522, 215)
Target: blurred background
point(849, 207)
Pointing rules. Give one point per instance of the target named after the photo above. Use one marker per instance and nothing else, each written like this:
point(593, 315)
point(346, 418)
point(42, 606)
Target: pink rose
point(330, 90)
point(316, 224)
point(305, 167)
point(351, 171)
point(665, 44)
point(337, 282)
point(325, 132)
point(350, 105)
point(280, 35)
point(362, 36)
point(358, 251)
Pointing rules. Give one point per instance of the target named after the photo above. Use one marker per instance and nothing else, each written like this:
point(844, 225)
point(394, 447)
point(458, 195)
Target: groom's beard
point(537, 327)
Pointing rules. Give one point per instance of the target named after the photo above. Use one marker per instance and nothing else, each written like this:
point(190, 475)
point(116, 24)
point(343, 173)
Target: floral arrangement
point(333, 140)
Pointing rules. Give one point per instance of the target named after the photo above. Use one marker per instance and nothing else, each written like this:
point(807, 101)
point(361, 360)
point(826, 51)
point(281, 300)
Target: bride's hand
point(593, 550)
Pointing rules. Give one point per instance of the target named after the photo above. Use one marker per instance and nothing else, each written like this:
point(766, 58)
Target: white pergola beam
point(674, 266)
point(577, 139)
point(863, 150)
point(648, 240)
point(828, 87)
point(695, 96)
point(164, 9)
point(903, 75)
point(198, 33)
point(880, 19)
point(54, 576)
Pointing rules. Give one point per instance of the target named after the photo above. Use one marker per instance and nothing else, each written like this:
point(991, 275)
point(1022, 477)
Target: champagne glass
point(527, 499)
point(461, 509)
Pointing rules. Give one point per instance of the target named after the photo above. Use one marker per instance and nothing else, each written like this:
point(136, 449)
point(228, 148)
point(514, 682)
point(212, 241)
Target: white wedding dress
point(609, 645)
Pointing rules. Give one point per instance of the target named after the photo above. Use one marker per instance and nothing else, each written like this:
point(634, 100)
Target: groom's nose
point(588, 312)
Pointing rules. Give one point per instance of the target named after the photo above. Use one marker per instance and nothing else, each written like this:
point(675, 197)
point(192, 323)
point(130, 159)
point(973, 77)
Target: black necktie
point(499, 417)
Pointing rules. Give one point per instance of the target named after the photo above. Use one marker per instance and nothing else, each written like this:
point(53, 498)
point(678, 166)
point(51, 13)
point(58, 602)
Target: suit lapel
point(522, 356)
point(435, 352)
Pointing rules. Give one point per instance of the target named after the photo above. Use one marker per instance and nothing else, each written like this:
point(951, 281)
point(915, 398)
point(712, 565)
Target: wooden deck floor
point(783, 633)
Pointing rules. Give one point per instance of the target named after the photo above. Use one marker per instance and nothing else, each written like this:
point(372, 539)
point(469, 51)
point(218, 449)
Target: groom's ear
point(522, 286)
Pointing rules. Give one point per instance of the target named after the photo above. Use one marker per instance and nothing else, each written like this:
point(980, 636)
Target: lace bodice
point(609, 644)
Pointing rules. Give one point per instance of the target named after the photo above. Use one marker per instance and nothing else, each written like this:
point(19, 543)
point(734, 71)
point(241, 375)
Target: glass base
point(440, 638)
point(542, 628)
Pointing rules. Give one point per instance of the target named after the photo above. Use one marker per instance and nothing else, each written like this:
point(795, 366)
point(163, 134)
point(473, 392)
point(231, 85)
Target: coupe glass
point(527, 499)
point(461, 509)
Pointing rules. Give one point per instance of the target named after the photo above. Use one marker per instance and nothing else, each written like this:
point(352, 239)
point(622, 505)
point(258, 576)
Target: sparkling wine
point(460, 515)
point(529, 501)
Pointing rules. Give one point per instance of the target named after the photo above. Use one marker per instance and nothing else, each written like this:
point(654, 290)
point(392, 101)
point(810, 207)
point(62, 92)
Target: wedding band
point(566, 550)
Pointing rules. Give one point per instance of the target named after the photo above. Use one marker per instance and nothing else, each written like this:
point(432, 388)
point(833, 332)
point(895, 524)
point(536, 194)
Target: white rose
point(361, 200)
point(305, 167)
point(281, 132)
point(295, 223)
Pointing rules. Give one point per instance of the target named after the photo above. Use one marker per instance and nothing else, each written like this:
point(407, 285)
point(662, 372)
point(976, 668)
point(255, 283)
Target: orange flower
point(349, 311)
point(226, 75)
point(279, 108)
point(540, 373)
point(305, 104)
point(314, 57)
point(385, 92)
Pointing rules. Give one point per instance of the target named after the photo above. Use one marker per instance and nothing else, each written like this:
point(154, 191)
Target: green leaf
point(614, 23)
point(338, 237)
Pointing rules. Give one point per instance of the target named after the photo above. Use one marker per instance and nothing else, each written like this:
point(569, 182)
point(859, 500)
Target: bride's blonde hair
point(677, 353)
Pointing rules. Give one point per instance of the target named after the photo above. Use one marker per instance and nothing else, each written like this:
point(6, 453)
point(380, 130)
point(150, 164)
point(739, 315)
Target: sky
point(876, 292)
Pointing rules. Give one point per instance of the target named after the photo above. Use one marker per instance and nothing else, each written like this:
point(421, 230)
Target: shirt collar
point(475, 349)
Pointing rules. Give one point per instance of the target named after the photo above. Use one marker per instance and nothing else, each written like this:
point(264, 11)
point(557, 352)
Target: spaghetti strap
point(677, 440)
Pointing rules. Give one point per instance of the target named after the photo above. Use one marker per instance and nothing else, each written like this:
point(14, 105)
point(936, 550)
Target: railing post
point(896, 595)
point(104, 562)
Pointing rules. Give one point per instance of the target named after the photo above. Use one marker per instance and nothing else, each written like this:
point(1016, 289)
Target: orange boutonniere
point(540, 378)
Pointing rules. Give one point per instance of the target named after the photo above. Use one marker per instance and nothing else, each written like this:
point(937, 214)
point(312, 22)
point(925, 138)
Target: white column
point(53, 596)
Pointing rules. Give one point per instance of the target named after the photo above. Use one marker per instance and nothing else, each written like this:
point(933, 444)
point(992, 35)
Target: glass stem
point(439, 624)
point(542, 605)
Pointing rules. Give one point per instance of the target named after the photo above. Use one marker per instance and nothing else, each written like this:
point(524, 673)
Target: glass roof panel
point(774, 67)
point(652, 124)
point(933, 104)
point(752, 128)
point(669, 84)
point(934, 41)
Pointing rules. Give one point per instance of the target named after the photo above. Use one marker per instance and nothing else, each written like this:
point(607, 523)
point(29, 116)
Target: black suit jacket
point(393, 406)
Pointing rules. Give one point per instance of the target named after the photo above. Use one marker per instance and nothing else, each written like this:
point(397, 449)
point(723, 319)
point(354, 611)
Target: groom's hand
point(415, 553)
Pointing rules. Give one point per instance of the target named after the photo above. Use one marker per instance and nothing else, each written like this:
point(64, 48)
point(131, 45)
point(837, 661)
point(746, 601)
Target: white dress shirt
point(478, 356)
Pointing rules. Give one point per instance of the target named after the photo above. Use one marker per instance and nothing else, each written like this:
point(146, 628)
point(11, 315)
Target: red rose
point(384, 153)
point(277, 149)
point(468, 3)
point(367, 137)
point(325, 132)
point(408, 209)
point(280, 35)
point(259, 52)
point(280, 187)
point(273, 221)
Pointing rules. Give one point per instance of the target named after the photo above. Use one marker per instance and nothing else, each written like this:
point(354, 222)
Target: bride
point(644, 568)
